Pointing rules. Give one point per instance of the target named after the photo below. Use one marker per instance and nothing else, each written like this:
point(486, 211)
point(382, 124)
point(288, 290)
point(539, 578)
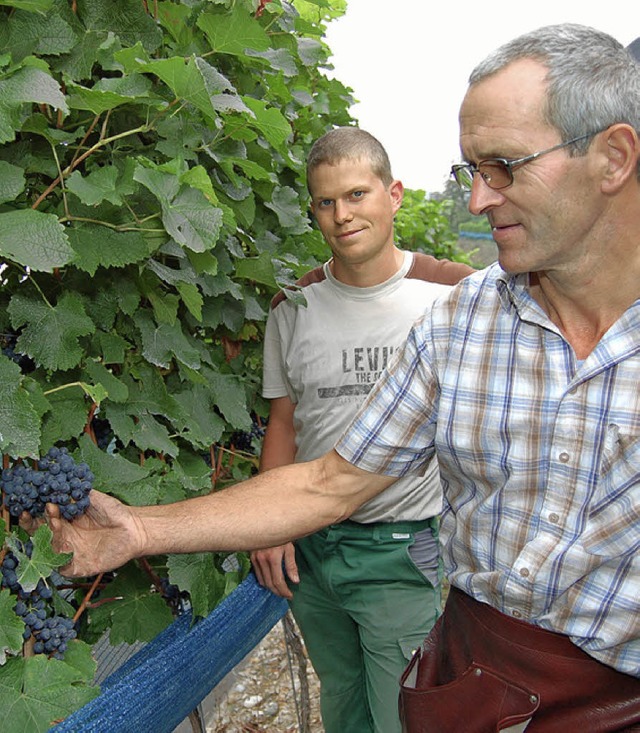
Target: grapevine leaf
point(125, 19)
point(30, 33)
point(192, 220)
point(37, 691)
point(204, 426)
point(258, 269)
point(30, 84)
point(97, 246)
point(285, 202)
point(277, 58)
point(96, 187)
point(11, 627)
point(164, 342)
point(197, 574)
point(233, 32)
point(33, 6)
point(114, 387)
point(165, 307)
point(269, 121)
point(106, 96)
point(229, 396)
point(199, 83)
point(109, 470)
point(34, 239)
point(43, 559)
point(149, 434)
point(19, 420)
point(67, 417)
point(50, 335)
point(12, 181)
point(140, 615)
point(192, 298)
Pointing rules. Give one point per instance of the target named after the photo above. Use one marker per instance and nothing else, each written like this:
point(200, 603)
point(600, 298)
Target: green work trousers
point(363, 606)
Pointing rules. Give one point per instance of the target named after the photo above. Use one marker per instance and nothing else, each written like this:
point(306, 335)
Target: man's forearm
point(267, 510)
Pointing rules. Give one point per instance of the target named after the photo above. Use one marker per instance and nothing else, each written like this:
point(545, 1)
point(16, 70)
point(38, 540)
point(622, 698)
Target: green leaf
point(125, 19)
point(286, 204)
point(43, 559)
point(233, 32)
point(197, 574)
point(67, 417)
point(30, 84)
point(141, 614)
point(50, 335)
point(258, 269)
point(99, 374)
point(164, 342)
point(11, 627)
point(149, 434)
point(30, 33)
point(110, 470)
point(95, 246)
point(230, 398)
point(165, 307)
point(12, 181)
point(19, 420)
point(35, 240)
point(192, 298)
point(269, 121)
point(32, 6)
point(204, 426)
point(36, 692)
point(192, 221)
point(96, 187)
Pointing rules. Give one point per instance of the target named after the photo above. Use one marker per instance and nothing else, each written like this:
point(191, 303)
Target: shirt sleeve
point(274, 379)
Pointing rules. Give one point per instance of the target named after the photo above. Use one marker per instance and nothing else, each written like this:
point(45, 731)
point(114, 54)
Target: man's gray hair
point(593, 81)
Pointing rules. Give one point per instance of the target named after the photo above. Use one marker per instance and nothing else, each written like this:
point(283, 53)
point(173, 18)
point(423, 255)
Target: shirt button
point(524, 572)
point(515, 613)
point(554, 518)
point(563, 457)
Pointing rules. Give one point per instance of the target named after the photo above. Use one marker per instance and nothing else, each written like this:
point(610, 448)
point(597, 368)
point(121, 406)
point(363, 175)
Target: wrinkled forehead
point(507, 105)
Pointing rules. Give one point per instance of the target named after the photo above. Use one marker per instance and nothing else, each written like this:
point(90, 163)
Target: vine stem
point(74, 164)
point(87, 598)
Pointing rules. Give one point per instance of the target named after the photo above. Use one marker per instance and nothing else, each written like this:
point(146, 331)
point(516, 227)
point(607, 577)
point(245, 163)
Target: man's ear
point(623, 152)
point(396, 191)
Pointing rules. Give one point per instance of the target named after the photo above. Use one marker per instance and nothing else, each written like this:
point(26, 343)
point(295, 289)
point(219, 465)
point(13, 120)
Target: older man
point(524, 380)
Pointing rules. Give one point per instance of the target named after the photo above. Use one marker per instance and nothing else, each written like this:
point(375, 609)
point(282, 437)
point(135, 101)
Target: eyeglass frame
point(510, 165)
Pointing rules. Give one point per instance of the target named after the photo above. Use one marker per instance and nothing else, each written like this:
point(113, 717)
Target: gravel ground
point(265, 693)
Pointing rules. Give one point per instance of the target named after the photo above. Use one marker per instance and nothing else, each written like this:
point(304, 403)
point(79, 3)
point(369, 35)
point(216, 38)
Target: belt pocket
point(478, 701)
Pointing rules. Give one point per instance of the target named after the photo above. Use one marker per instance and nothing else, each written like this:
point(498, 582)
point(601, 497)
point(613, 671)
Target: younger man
point(365, 591)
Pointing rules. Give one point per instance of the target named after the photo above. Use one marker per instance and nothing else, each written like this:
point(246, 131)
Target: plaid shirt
point(539, 456)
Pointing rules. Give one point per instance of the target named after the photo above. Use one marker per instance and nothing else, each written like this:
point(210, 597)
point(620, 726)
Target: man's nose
point(342, 212)
point(483, 197)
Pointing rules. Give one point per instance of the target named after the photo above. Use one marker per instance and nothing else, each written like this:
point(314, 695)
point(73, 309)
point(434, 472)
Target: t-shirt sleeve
point(274, 381)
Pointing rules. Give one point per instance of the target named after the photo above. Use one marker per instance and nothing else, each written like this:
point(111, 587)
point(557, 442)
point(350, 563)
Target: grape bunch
point(52, 639)
point(244, 440)
point(58, 480)
point(51, 633)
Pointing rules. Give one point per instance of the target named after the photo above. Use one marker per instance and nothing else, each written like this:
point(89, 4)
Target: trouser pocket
point(479, 700)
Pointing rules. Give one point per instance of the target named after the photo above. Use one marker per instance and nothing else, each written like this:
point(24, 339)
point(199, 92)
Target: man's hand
point(104, 538)
point(268, 566)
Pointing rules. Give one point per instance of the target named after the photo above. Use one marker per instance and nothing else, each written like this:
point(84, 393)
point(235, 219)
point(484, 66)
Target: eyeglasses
point(497, 173)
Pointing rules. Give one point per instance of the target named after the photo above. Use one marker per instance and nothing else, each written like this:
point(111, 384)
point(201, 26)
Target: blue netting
point(162, 683)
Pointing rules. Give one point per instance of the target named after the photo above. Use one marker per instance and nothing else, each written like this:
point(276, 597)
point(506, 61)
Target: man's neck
point(370, 273)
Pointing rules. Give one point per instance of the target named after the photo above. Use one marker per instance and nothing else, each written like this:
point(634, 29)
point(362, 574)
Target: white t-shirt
point(326, 357)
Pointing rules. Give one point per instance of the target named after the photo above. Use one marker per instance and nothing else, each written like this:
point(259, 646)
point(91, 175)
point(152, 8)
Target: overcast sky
point(408, 61)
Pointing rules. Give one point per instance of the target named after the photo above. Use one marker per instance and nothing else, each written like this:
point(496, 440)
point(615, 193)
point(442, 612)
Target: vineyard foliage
point(152, 200)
